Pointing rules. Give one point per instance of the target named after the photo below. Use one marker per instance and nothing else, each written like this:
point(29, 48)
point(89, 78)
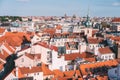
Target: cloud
point(116, 4)
point(23, 0)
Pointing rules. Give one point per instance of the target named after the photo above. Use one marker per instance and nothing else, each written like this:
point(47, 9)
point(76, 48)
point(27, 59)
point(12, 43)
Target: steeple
point(88, 23)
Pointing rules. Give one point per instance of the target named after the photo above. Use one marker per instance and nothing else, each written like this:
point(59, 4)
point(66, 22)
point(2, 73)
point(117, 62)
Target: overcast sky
point(59, 7)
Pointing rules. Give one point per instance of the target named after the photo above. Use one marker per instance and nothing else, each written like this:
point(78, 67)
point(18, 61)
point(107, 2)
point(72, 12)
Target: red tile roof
point(69, 73)
point(52, 47)
point(58, 73)
point(2, 57)
point(90, 59)
point(58, 27)
point(44, 44)
point(2, 30)
point(49, 30)
point(73, 56)
point(105, 50)
point(115, 38)
point(116, 20)
point(97, 64)
point(94, 40)
point(46, 70)
point(1, 65)
point(5, 53)
point(15, 38)
point(8, 47)
point(33, 56)
point(94, 31)
point(102, 77)
point(27, 70)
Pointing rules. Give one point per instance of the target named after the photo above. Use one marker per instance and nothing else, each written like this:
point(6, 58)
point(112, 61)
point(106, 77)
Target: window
point(102, 57)
point(61, 68)
point(109, 56)
point(22, 59)
point(113, 56)
point(115, 71)
point(37, 73)
point(87, 31)
point(106, 57)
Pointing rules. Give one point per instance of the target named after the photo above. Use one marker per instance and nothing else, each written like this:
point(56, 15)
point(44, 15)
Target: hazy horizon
point(97, 8)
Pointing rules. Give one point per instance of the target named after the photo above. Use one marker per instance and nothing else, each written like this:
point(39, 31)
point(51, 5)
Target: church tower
point(88, 23)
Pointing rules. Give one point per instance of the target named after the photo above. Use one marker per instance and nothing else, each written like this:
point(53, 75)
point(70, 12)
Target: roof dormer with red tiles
point(106, 53)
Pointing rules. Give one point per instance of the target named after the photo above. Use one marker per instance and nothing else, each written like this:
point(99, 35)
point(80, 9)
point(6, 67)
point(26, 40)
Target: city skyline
point(59, 8)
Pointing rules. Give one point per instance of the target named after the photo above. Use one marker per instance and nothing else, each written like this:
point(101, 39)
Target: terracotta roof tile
point(44, 44)
point(15, 38)
point(2, 30)
point(2, 57)
point(8, 47)
point(69, 73)
point(94, 31)
point(102, 77)
point(115, 38)
point(58, 27)
point(105, 50)
point(26, 70)
point(58, 73)
point(94, 41)
point(1, 66)
point(73, 56)
point(49, 30)
point(90, 59)
point(78, 73)
point(46, 70)
point(116, 20)
point(97, 64)
point(5, 53)
point(33, 56)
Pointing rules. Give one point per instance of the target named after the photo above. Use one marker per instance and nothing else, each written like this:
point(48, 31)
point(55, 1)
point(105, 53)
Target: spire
point(88, 23)
point(88, 10)
point(88, 13)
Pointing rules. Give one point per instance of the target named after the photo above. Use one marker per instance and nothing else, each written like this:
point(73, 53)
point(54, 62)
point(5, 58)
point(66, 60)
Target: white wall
point(57, 62)
point(72, 51)
point(107, 56)
point(118, 27)
point(82, 48)
point(35, 39)
point(43, 52)
point(10, 77)
point(27, 62)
